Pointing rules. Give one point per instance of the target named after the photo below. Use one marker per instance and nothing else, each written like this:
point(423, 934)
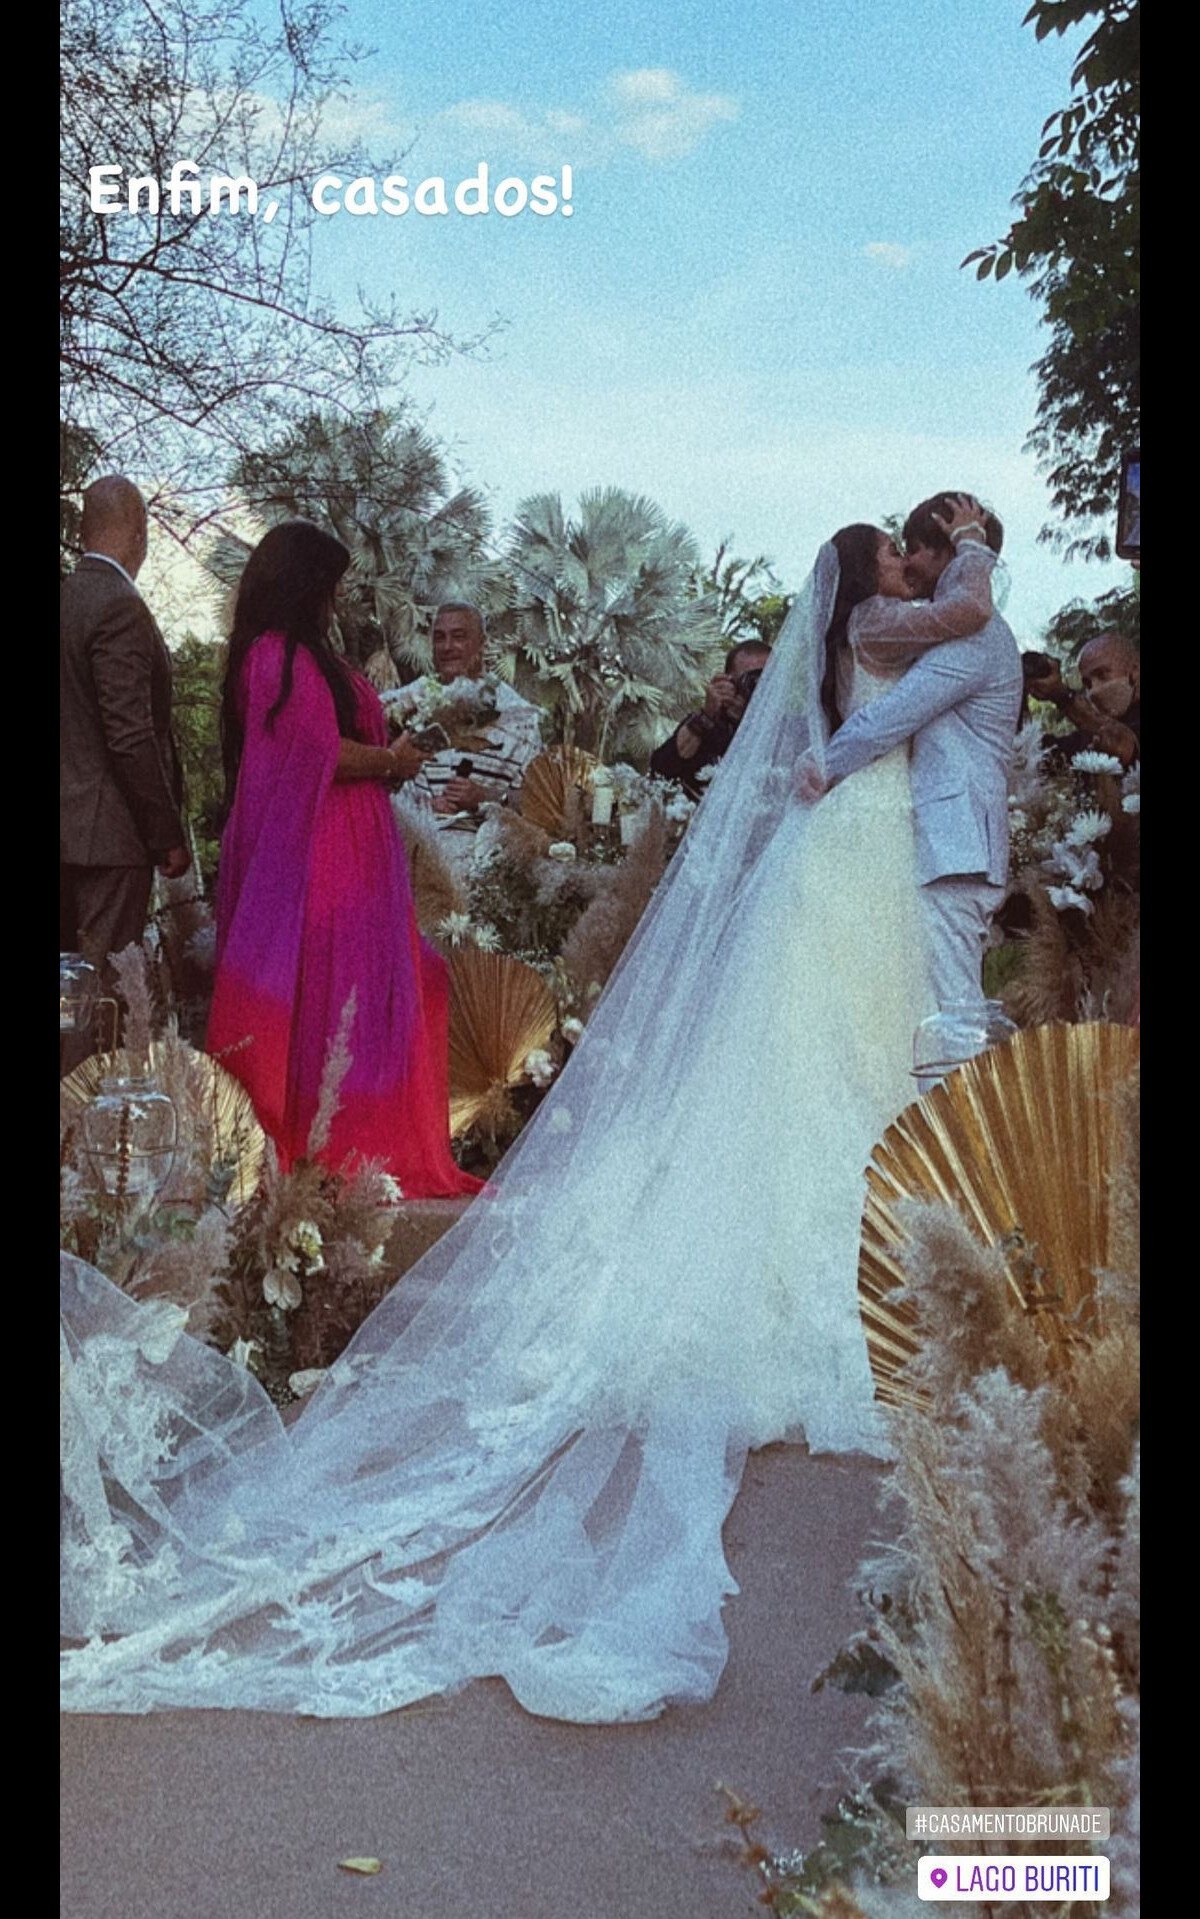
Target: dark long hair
point(287, 588)
point(858, 577)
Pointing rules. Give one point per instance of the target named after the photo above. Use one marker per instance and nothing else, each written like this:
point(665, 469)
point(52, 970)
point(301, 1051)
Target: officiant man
point(514, 739)
point(120, 785)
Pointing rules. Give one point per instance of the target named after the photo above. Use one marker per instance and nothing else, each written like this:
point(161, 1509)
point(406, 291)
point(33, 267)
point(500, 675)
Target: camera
point(747, 681)
point(1036, 666)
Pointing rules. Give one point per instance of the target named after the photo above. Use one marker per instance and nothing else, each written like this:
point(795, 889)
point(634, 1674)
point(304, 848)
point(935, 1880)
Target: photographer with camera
point(704, 738)
point(1107, 714)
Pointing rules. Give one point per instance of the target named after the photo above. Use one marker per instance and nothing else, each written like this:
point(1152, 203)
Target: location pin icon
point(939, 1876)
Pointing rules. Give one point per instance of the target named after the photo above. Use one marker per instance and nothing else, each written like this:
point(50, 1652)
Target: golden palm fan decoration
point(548, 782)
point(1022, 1142)
point(197, 1082)
point(500, 1011)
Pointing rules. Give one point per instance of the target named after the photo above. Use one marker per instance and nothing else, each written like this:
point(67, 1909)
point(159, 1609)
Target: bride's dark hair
point(858, 577)
point(287, 588)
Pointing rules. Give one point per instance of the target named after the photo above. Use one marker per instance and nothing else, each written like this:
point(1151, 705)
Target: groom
point(959, 706)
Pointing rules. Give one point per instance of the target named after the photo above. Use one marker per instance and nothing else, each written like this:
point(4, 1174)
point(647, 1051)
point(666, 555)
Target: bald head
point(114, 521)
point(1110, 657)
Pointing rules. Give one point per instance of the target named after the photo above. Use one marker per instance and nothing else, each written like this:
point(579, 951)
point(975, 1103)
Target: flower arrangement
point(280, 1284)
point(461, 707)
point(1074, 902)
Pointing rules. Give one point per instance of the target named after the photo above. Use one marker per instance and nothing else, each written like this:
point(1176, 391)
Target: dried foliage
point(1002, 1629)
point(333, 1074)
point(601, 935)
point(137, 997)
point(438, 893)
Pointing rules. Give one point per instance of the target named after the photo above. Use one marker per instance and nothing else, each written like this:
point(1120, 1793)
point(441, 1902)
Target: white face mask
point(1113, 697)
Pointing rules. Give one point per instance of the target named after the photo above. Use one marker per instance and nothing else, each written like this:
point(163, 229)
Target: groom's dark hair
point(922, 529)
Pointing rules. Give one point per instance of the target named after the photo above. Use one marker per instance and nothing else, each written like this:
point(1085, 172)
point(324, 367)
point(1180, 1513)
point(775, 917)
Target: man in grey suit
point(959, 706)
point(120, 788)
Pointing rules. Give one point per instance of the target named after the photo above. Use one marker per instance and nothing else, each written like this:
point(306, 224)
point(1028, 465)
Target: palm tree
point(604, 610)
point(383, 486)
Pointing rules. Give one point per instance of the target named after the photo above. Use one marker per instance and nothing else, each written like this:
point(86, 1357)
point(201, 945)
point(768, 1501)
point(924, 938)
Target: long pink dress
point(314, 904)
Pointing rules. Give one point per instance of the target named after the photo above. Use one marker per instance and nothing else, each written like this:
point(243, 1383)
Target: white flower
point(455, 927)
point(393, 1192)
point(572, 1029)
point(486, 938)
point(1080, 867)
point(1062, 897)
point(1132, 783)
point(1089, 826)
point(282, 1289)
point(376, 1257)
point(243, 1350)
point(307, 1382)
point(561, 850)
point(1132, 803)
point(305, 1236)
point(703, 775)
point(1018, 818)
point(539, 1067)
point(680, 809)
point(1096, 763)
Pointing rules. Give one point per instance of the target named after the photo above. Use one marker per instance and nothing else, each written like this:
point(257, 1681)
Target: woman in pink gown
point(314, 905)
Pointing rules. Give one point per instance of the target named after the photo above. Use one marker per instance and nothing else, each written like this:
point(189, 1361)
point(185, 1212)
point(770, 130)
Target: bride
point(522, 1464)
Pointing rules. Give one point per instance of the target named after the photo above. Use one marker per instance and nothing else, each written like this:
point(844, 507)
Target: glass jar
point(78, 985)
point(130, 1130)
point(956, 1033)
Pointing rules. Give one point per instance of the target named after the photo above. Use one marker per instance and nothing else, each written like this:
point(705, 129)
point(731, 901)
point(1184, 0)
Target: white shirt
point(109, 561)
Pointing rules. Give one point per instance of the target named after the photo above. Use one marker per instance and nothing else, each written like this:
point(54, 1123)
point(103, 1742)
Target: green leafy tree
point(745, 595)
point(604, 617)
point(383, 485)
point(1076, 241)
point(1116, 611)
point(197, 668)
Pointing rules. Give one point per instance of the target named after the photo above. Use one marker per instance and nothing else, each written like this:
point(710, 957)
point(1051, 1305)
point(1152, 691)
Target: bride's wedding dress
point(522, 1464)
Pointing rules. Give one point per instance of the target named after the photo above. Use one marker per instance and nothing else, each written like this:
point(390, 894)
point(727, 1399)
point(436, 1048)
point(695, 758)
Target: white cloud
point(660, 116)
point(651, 109)
point(647, 86)
point(889, 254)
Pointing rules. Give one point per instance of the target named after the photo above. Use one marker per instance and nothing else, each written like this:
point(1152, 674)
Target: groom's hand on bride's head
point(964, 521)
point(811, 784)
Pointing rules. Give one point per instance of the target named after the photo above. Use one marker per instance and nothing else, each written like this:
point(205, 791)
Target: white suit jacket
point(959, 706)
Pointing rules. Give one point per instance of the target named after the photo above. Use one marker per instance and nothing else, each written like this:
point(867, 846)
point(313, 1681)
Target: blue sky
point(755, 313)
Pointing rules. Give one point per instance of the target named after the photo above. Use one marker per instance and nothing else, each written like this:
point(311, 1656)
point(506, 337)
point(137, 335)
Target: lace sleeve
point(888, 632)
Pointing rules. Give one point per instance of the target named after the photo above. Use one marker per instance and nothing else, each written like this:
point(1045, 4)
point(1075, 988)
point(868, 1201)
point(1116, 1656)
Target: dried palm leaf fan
point(1022, 1142)
point(548, 781)
point(436, 888)
point(193, 1080)
point(500, 1011)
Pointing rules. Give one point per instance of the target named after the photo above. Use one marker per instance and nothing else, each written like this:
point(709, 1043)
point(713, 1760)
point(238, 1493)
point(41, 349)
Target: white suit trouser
point(958, 913)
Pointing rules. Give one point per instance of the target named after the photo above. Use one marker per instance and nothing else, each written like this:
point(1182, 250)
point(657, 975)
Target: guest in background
point(1107, 715)
point(455, 783)
point(120, 786)
point(703, 739)
point(315, 922)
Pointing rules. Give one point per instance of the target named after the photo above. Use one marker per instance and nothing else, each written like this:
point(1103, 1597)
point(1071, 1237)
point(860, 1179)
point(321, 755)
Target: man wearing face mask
point(1107, 715)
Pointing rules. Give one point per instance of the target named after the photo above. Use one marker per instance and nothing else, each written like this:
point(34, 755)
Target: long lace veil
point(522, 1463)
